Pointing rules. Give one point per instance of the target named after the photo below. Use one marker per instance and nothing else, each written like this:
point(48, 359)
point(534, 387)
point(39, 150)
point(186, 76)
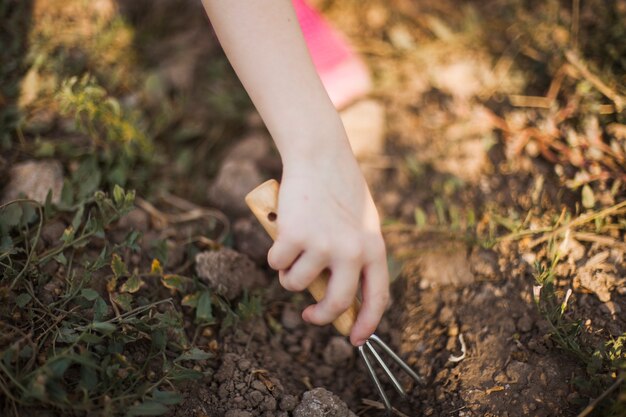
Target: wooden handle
point(263, 201)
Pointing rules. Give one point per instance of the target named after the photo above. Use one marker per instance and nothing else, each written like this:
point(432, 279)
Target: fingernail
point(359, 342)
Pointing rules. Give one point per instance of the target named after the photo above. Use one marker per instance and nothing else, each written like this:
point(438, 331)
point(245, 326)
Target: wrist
point(316, 148)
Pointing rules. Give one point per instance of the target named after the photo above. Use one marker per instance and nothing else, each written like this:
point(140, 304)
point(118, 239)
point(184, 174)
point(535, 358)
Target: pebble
point(288, 403)
point(338, 351)
point(34, 179)
point(290, 318)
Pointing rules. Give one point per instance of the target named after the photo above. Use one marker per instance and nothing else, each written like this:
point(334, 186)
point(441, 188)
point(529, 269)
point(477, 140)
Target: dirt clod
point(227, 271)
point(321, 402)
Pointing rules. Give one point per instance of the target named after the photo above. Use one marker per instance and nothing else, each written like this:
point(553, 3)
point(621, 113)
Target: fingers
point(375, 296)
point(283, 254)
point(305, 269)
point(342, 287)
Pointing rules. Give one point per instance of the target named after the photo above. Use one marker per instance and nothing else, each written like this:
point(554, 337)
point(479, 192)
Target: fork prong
point(397, 359)
point(392, 377)
point(370, 370)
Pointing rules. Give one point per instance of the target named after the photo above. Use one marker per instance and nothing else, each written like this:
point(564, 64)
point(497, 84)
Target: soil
point(463, 316)
point(462, 312)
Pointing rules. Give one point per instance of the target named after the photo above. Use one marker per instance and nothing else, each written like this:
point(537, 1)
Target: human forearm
point(263, 42)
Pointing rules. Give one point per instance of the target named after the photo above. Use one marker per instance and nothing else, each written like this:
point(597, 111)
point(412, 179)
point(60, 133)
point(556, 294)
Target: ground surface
point(500, 179)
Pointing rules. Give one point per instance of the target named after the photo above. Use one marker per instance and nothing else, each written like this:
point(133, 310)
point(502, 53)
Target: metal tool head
point(368, 349)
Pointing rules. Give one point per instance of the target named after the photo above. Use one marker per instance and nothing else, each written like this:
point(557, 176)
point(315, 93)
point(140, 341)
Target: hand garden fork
point(263, 201)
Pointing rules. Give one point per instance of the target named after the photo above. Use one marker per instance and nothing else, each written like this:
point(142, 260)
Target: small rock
point(288, 403)
point(251, 239)
point(290, 318)
point(244, 365)
point(365, 126)
point(238, 175)
point(234, 180)
point(259, 386)
point(338, 351)
point(34, 179)
point(269, 403)
point(228, 272)
point(321, 402)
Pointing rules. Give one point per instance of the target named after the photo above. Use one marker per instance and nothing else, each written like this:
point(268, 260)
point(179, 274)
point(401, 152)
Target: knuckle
point(292, 283)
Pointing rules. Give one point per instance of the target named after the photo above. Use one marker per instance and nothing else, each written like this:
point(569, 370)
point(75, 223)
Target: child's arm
point(326, 218)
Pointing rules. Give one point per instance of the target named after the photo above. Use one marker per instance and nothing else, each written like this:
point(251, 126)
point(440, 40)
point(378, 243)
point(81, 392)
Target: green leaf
point(174, 282)
point(118, 266)
point(68, 235)
point(195, 354)
point(589, 199)
point(118, 194)
point(167, 397)
point(104, 327)
point(6, 243)
point(191, 300)
point(100, 309)
point(78, 217)
point(90, 338)
point(10, 215)
point(204, 311)
point(29, 213)
point(147, 408)
point(67, 194)
point(420, 217)
point(89, 294)
point(60, 258)
point(22, 299)
point(59, 366)
point(180, 374)
point(123, 300)
point(132, 284)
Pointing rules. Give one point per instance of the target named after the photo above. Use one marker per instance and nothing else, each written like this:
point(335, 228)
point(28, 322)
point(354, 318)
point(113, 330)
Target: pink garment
point(343, 73)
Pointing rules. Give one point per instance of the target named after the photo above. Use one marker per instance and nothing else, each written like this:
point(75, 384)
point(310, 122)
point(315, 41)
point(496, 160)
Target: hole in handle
point(271, 216)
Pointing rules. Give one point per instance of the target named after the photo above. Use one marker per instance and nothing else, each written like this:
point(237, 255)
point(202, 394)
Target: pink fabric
point(326, 46)
point(343, 73)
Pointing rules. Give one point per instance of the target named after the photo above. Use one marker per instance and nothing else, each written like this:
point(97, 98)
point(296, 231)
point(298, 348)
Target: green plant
point(68, 342)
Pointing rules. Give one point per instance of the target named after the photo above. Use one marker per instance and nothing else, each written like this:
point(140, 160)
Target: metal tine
point(397, 359)
point(374, 378)
point(392, 378)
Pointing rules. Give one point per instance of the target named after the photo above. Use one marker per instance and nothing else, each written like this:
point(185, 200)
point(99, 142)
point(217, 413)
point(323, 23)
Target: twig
point(381, 406)
point(577, 63)
point(578, 222)
point(597, 401)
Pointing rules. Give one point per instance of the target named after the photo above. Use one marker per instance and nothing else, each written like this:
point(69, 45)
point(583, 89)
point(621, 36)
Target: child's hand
point(327, 220)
